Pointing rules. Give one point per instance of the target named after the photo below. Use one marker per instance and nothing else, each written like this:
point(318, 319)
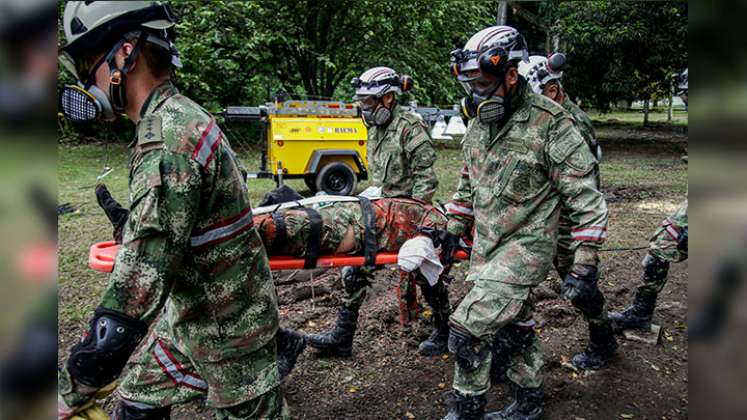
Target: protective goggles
point(367, 102)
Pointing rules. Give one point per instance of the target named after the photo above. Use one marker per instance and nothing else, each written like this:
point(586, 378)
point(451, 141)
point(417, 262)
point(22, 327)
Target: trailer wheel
point(336, 178)
point(310, 181)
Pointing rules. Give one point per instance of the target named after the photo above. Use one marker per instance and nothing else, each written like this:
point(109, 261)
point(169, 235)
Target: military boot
point(438, 298)
point(527, 405)
point(636, 316)
point(290, 345)
point(467, 408)
point(437, 343)
point(128, 411)
point(601, 348)
point(338, 341)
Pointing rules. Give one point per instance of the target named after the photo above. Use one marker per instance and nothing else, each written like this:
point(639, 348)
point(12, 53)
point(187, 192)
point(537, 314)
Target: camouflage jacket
point(584, 125)
point(401, 157)
point(189, 242)
point(512, 186)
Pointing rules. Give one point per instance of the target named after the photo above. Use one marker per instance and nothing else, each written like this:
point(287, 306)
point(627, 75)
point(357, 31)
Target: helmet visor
point(83, 70)
point(367, 102)
point(479, 83)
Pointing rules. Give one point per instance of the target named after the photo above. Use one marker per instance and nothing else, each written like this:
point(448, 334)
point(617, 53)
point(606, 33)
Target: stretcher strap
point(315, 238)
point(281, 233)
point(369, 232)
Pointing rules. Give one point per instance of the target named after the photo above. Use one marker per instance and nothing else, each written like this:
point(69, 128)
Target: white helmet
point(91, 26)
point(379, 81)
point(487, 55)
point(541, 70)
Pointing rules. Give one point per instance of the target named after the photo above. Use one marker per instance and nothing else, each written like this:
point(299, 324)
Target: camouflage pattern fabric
point(190, 242)
point(564, 256)
point(584, 123)
point(160, 375)
point(401, 157)
point(397, 220)
point(663, 245)
point(488, 307)
point(512, 186)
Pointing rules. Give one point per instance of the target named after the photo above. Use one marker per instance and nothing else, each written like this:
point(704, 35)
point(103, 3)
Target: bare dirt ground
point(387, 379)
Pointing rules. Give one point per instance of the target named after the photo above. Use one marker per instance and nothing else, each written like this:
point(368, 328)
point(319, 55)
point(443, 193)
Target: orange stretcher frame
point(102, 254)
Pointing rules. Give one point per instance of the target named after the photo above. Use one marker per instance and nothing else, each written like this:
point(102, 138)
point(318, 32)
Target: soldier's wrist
point(586, 255)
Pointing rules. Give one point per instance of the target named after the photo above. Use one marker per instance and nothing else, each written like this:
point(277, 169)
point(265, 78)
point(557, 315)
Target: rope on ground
point(636, 248)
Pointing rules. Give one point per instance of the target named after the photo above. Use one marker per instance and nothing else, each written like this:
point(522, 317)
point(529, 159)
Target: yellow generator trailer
point(323, 142)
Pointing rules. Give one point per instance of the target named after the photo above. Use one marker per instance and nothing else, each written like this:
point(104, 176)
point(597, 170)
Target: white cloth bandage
point(419, 253)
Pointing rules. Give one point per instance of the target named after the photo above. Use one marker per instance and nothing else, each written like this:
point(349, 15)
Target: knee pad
point(470, 351)
point(102, 354)
point(654, 269)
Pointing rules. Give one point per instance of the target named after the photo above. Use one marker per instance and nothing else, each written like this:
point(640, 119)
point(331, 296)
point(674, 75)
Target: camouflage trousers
point(161, 375)
point(489, 307)
point(663, 245)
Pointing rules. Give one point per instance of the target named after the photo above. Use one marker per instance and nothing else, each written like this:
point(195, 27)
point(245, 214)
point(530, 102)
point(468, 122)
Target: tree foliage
point(241, 52)
point(621, 50)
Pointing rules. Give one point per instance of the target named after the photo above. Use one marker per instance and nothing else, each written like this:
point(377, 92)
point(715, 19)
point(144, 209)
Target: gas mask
point(483, 104)
point(86, 102)
point(374, 112)
point(81, 104)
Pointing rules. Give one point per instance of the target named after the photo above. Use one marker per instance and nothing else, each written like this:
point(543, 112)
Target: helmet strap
point(117, 76)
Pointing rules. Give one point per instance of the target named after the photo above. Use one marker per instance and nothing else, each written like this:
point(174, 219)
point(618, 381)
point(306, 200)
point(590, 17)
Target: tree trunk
point(555, 41)
point(645, 111)
point(501, 13)
point(670, 105)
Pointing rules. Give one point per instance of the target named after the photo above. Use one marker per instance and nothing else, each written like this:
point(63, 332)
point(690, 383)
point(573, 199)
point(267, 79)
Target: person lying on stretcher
point(354, 226)
point(291, 226)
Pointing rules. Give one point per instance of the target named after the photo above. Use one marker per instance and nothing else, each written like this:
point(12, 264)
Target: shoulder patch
point(149, 132)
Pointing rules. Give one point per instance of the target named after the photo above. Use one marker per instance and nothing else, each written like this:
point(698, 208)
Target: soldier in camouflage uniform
point(543, 75)
point(190, 256)
point(400, 159)
point(524, 158)
point(668, 245)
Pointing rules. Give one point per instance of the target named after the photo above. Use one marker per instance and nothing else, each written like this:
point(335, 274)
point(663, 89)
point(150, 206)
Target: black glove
point(114, 211)
point(580, 282)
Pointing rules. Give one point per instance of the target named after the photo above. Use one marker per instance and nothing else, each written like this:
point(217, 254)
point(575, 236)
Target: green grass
point(679, 117)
